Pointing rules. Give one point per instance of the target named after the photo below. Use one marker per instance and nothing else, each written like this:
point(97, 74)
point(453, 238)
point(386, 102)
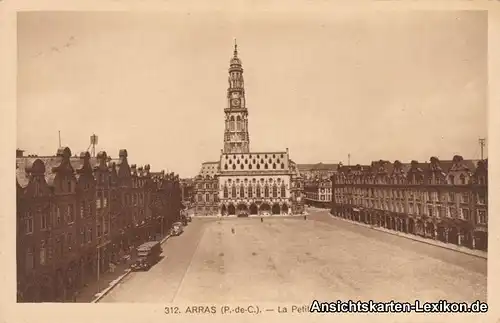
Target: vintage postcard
point(253, 165)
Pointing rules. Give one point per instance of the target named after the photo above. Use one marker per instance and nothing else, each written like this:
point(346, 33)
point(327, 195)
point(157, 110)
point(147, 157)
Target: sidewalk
point(107, 282)
point(437, 243)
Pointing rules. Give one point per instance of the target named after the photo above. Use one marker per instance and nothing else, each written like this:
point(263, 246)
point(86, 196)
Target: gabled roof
point(49, 162)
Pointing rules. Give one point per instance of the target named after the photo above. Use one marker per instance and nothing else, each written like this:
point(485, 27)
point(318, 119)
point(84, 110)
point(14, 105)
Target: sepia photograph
point(326, 161)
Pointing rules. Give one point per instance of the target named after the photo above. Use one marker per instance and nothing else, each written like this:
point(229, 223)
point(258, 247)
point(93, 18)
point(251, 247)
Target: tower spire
point(236, 138)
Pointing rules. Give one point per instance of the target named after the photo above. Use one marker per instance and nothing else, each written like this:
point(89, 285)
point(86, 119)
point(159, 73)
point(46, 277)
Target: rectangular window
point(28, 223)
point(59, 246)
point(69, 240)
point(82, 236)
point(30, 258)
point(105, 202)
point(43, 253)
point(44, 221)
point(71, 213)
point(98, 203)
point(466, 214)
point(481, 217)
point(481, 198)
point(82, 209)
point(58, 216)
point(465, 197)
point(89, 236)
point(98, 230)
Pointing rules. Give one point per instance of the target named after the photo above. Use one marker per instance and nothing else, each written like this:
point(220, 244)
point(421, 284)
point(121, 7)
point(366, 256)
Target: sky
point(375, 85)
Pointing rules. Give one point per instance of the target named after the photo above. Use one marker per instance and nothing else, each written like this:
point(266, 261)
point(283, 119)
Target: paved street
point(292, 260)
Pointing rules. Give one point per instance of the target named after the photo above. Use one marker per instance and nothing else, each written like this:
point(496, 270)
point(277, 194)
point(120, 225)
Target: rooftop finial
point(235, 48)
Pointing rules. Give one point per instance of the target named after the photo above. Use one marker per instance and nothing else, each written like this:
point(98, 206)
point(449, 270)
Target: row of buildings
point(317, 183)
point(444, 200)
point(241, 180)
point(76, 215)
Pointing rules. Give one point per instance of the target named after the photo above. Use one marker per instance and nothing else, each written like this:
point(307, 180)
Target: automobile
point(177, 228)
point(184, 220)
point(189, 218)
point(265, 213)
point(243, 215)
point(148, 254)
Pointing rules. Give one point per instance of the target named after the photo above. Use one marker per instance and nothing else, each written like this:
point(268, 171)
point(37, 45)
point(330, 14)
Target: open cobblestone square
point(292, 260)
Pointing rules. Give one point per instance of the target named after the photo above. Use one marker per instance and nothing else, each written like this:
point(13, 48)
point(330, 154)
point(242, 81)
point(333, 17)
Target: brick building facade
point(75, 215)
point(318, 192)
point(443, 200)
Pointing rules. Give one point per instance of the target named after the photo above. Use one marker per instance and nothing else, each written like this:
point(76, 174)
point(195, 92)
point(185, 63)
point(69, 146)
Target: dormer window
point(462, 179)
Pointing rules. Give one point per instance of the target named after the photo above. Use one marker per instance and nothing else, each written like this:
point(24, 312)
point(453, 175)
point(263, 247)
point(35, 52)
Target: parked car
point(243, 215)
point(184, 220)
point(177, 228)
point(148, 254)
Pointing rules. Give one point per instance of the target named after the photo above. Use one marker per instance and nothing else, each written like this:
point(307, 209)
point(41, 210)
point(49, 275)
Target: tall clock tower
point(236, 139)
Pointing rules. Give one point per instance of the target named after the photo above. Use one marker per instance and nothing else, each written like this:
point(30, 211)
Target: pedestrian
point(232, 230)
point(261, 220)
point(305, 217)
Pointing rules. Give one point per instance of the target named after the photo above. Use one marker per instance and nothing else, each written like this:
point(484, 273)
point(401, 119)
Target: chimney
point(19, 153)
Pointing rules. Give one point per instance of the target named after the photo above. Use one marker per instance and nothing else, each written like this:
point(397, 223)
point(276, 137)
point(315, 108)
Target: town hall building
point(242, 181)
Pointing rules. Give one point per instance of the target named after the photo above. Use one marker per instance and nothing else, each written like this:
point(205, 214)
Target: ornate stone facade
point(443, 200)
point(75, 215)
point(242, 181)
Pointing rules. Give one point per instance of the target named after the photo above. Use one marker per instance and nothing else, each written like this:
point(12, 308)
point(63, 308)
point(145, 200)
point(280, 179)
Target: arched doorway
point(231, 210)
point(59, 286)
point(46, 289)
point(429, 230)
point(71, 273)
point(265, 208)
point(441, 233)
point(253, 209)
point(242, 208)
point(481, 240)
point(223, 209)
point(420, 230)
point(411, 226)
point(453, 235)
point(276, 208)
point(284, 208)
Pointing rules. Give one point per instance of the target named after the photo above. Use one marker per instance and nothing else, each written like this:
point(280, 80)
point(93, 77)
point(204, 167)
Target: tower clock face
point(235, 102)
point(235, 95)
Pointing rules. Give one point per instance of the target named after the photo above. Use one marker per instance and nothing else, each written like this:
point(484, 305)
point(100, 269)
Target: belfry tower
point(236, 139)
